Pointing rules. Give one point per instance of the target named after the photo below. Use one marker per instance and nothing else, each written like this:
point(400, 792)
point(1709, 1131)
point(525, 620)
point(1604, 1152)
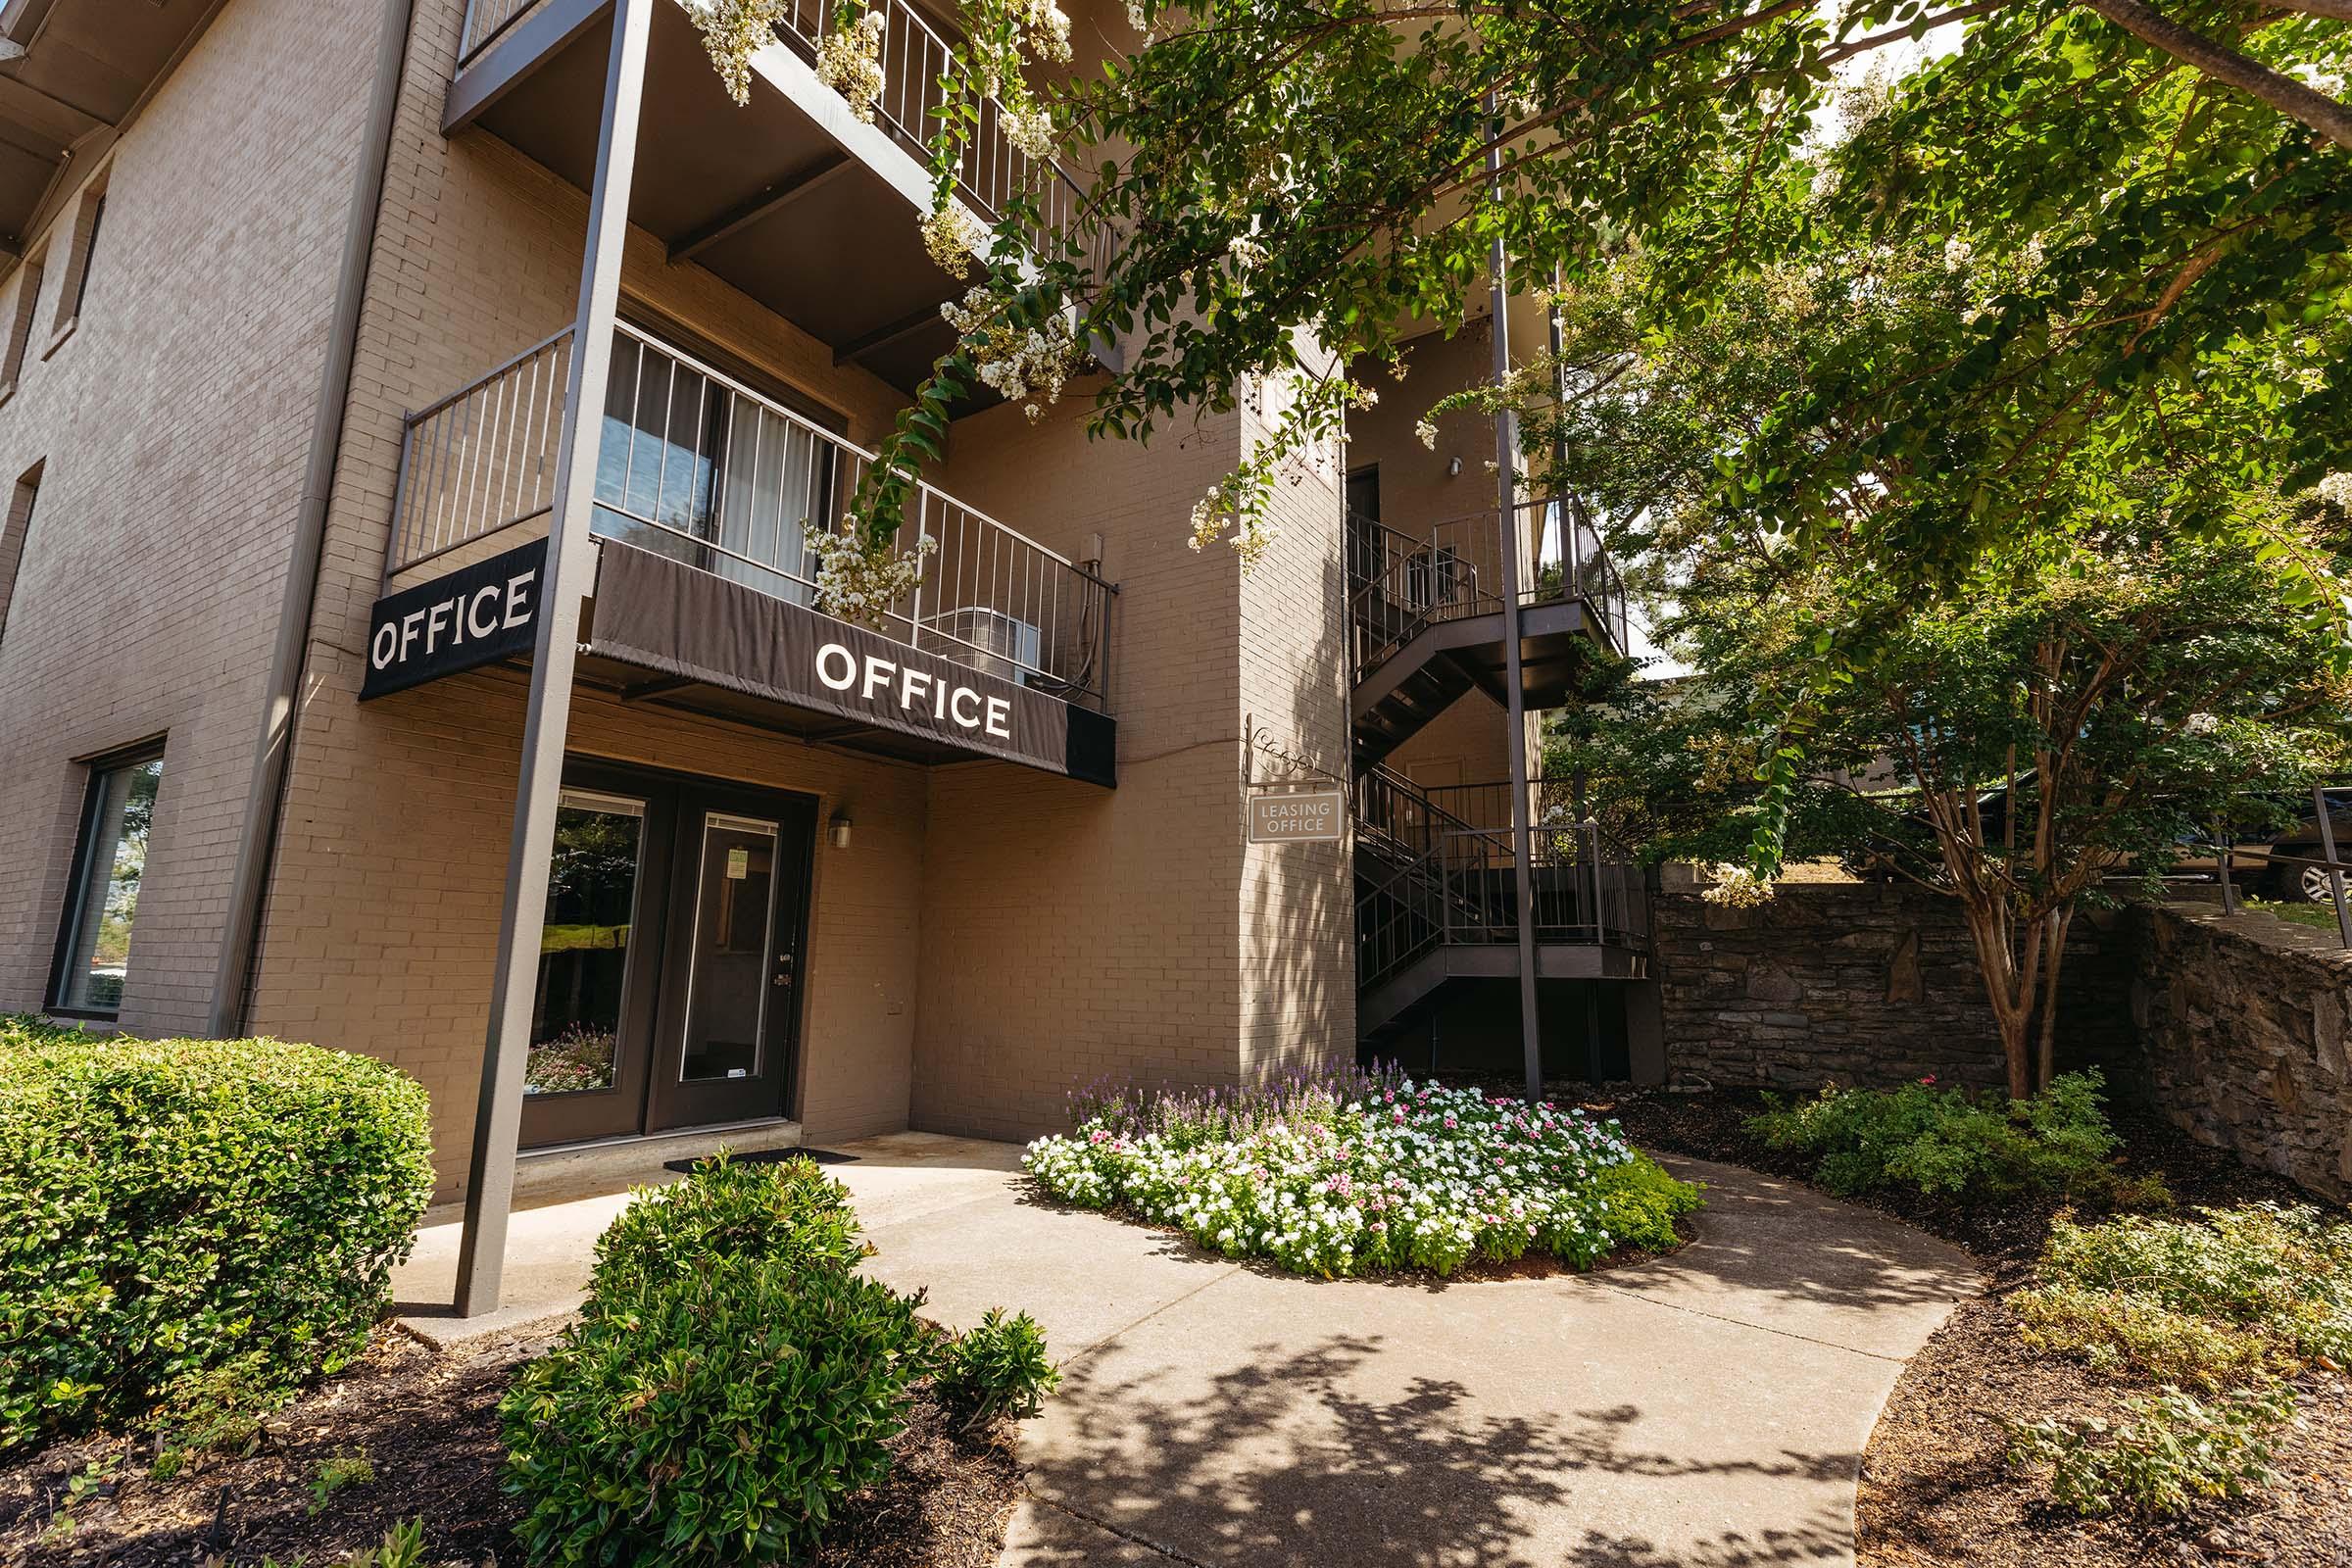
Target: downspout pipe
point(265, 797)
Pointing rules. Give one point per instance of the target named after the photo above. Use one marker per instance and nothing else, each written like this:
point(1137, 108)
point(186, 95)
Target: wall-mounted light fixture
point(1453, 467)
point(838, 829)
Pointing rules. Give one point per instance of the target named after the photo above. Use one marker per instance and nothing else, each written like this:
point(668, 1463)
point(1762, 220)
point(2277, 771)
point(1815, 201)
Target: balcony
point(1426, 614)
point(789, 199)
point(706, 589)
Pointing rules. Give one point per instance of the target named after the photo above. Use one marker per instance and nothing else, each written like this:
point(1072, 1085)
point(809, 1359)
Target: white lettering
point(878, 671)
point(433, 623)
point(385, 645)
point(956, 707)
point(519, 598)
point(825, 657)
point(474, 623)
point(912, 682)
point(998, 713)
point(408, 627)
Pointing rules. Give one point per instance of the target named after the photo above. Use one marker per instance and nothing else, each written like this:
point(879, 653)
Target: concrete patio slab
point(1703, 1410)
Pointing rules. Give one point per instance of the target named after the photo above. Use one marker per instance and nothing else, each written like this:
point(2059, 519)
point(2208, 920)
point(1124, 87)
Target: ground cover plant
point(731, 1382)
point(1360, 1172)
point(190, 1229)
point(2230, 1297)
point(1948, 1140)
point(2199, 1295)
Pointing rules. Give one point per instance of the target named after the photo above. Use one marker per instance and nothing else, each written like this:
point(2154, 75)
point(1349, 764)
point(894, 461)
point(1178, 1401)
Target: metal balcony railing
point(1435, 866)
point(918, 86)
point(697, 467)
point(486, 21)
point(1400, 585)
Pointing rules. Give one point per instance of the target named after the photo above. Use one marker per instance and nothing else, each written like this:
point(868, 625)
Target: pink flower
point(1450, 1123)
point(1929, 1081)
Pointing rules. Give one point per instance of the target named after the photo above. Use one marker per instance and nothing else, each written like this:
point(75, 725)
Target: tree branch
point(2280, 92)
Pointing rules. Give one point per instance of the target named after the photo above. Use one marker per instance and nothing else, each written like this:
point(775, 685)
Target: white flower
point(1738, 888)
point(850, 61)
point(1426, 432)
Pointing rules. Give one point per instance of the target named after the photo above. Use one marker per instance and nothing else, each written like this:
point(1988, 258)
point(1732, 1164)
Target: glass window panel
point(727, 977)
point(106, 894)
point(584, 944)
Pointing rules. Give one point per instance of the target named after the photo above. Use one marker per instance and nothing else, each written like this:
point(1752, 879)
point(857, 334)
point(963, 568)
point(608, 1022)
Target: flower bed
point(1364, 1173)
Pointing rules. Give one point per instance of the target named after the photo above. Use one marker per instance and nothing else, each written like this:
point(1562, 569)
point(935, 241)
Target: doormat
point(766, 1156)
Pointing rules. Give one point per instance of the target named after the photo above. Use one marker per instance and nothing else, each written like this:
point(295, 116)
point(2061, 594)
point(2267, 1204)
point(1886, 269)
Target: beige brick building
point(303, 299)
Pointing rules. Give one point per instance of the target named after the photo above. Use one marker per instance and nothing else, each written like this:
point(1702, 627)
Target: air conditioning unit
point(988, 641)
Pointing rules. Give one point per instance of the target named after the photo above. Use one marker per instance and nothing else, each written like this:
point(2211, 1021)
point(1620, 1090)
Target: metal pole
point(2335, 875)
point(2221, 863)
point(498, 1119)
point(1506, 463)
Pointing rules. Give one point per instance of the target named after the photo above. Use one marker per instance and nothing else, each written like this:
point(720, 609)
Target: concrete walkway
point(1706, 1410)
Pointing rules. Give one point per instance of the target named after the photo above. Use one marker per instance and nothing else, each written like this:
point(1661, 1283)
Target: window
point(13, 529)
point(108, 863)
point(75, 290)
point(20, 323)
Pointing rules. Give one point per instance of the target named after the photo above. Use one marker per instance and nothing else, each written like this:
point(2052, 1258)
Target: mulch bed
point(428, 1422)
point(1935, 1485)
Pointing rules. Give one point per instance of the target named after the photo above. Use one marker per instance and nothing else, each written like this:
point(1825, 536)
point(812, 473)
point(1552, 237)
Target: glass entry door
point(730, 1002)
point(669, 988)
point(592, 1020)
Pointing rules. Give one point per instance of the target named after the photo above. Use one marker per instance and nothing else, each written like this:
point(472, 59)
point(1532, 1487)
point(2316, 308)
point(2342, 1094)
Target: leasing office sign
point(475, 614)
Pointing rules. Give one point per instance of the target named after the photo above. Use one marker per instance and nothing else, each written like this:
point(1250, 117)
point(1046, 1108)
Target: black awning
point(689, 624)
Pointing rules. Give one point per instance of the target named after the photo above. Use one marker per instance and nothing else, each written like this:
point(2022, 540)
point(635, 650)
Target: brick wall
point(1069, 932)
point(382, 921)
point(172, 427)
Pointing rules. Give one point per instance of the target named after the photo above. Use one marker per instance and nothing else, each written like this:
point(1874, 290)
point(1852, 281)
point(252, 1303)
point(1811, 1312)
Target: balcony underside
point(1424, 678)
point(90, 63)
point(764, 195)
point(1383, 1002)
point(669, 635)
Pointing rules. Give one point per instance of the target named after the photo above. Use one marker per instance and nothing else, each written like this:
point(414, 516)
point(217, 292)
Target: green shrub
point(1948, 1140)
point(1639, 1203)
point(788, 1211)
point(180, 1215)
point(2167, 1453)
point(718, 1416)
point(2216, 1299)
point(998, 1370)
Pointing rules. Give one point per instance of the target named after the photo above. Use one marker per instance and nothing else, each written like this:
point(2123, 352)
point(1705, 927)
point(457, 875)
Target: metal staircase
point(1426, 618)
point(1437, 896)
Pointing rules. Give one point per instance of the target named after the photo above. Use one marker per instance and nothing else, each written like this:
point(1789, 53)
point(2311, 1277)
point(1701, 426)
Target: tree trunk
point(2053, 958)
point(2008, 985)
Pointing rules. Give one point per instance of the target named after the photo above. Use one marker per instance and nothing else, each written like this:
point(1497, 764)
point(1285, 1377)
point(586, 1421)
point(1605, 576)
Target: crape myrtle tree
point(2116, 676)
point(1289, 183)
point(2076, 709)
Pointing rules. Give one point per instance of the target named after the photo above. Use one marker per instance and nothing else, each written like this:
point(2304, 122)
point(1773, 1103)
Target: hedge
point(187, 1222)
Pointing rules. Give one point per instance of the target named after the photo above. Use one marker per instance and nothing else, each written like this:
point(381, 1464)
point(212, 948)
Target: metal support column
point(498, 1120)
point(2324, 816)
point(1506, 468)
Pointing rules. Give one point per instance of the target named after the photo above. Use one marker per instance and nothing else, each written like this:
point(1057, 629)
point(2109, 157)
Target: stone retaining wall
point(2233, 1027)
point(1853, 983)
point(2240, 1025)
